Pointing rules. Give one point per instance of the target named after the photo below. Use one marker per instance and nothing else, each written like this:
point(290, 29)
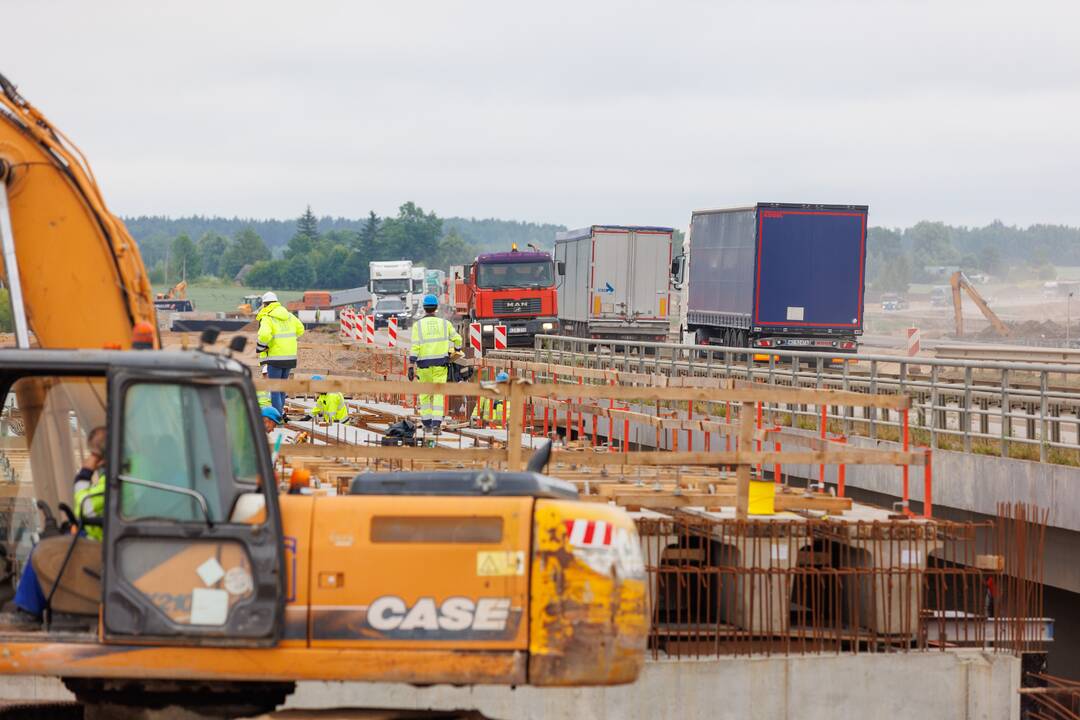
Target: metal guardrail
point(1014, 409)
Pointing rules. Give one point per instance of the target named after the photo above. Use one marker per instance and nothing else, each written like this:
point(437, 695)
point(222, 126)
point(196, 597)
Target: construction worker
point(271, 418)
point(491, 410)
point(279, 330)
point(433, 339)
point(89, 497)
point(330, 407)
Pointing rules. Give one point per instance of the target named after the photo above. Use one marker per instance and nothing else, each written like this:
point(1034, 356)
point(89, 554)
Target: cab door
point(192, 536)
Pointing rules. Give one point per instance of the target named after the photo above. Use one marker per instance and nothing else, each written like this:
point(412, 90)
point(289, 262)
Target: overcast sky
point(574, 113)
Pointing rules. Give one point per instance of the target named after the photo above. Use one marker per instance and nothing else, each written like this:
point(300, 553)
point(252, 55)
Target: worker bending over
point(491, 410)
point(329, 407)
point(279, 331)
point(433, 339)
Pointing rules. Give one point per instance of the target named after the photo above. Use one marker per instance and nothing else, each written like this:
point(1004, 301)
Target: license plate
point(798, 342)
point(516, 330)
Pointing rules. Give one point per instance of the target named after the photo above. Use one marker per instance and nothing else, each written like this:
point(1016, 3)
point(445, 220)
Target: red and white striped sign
point(913, 341)
point(391, 332)
point(369, 329)
point(589, 533)
point(358, 327)
point(346, 319)
point(476, 340)
point(500, 337)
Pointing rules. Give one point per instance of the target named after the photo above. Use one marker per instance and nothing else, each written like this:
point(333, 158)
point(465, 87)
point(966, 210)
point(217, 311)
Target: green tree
point(308, 224)
point(453, 250)
point(332, 268)
point(212, 253)
point(246, 248)
point(931, 244)
point(895, 275)
point(266, 273)
point(298, 274)
point(413, 234)
point(184, 261)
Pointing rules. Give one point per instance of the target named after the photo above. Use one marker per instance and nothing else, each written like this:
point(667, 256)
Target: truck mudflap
point(588, 605)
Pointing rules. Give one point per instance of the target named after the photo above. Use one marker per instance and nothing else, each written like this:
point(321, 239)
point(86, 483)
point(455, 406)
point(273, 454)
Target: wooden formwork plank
point(379, 452)
point(767, 394)
point(833, 456)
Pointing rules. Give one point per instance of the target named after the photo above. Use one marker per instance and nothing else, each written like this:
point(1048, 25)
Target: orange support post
point(689, 432)
point(757, 423)
point(824, 425)
point(928, 484)
point(546, 411)
point(905, 467)
point(626, 435)
point(594, 430)
point(841, 470)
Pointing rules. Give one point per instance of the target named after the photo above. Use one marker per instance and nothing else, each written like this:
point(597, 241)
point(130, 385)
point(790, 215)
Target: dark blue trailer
point(777, 275)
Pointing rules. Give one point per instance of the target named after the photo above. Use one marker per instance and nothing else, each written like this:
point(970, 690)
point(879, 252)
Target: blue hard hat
point(273, 413)
point(502, 377)
point(316, 377)
point(431, 301)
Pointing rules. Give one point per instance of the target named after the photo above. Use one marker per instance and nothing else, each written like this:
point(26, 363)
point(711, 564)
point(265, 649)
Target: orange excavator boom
point(60, 243)
point(960, 281)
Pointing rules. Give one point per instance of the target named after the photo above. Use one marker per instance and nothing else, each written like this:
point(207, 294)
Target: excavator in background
point(209, 589)
point(960, 281)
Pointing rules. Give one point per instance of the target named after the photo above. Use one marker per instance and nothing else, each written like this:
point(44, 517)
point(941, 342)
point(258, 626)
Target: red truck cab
point(515, 289)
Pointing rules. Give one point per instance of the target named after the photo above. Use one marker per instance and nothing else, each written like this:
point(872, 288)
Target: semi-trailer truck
point(775, 275)
point(390, 279)
point(614, 282)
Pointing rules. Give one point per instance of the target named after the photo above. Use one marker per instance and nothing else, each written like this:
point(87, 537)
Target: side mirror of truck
point(560, 267)
point(678, 268)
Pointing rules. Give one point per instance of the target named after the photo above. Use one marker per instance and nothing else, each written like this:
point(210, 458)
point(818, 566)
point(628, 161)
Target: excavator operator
point(432, 340)
point(80, 586)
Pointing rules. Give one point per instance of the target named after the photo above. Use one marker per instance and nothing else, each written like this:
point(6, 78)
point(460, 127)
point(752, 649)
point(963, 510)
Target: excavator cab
point(182, 559)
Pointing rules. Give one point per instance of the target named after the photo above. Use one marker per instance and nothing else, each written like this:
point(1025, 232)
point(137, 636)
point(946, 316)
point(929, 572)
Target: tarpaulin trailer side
point(777, 275)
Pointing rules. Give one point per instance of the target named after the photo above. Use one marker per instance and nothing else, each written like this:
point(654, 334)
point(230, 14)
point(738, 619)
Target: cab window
point(172, 464)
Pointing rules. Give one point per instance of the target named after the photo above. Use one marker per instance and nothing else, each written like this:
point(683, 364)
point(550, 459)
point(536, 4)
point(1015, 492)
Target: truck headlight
point(489, 328)
point(548, 326)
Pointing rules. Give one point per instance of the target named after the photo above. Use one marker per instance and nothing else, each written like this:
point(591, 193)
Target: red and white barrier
point(369, 329)
point(391, 332)
point(358, 328)
point(346, 325)
point(476, 340)
point(913, 338)
point(500, 337)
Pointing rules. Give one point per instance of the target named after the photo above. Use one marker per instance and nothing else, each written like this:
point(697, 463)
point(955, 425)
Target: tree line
point(312, 257)
point(897, 257)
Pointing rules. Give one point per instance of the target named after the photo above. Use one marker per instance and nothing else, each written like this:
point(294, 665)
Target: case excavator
point(209, 588)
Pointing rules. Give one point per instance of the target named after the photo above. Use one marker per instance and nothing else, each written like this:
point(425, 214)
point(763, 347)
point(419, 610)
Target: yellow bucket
point(762, 497)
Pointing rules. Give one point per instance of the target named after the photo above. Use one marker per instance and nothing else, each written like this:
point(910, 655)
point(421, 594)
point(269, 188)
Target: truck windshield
point(389, 306)
point(390, 286)
point(515, 275)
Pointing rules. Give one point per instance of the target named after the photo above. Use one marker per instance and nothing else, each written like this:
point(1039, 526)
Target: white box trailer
point(615, 281)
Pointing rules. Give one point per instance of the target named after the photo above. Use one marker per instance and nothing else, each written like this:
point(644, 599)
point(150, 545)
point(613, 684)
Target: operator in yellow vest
point(330, 407)
point(491, 410)
point(433, 338)
point(89, 502)
point(279, 331)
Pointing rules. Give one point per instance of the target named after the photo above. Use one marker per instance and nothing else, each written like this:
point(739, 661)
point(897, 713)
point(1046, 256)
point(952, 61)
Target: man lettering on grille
point(433, 339)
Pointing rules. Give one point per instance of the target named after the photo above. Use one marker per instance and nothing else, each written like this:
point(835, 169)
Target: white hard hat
point(269, 297)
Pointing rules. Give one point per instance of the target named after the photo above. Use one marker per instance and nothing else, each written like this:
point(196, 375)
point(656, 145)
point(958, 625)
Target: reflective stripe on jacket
point(90, 503)
point(489, 409)
point(278, 333)
point(432, 338)
point(264, 398)
point(332, 407)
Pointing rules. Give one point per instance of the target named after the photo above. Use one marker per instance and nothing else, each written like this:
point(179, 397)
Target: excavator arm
point(959, 281)
point(75, 275)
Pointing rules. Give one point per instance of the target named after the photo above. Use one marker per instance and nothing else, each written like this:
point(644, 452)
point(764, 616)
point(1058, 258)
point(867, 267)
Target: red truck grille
point(520, 306)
